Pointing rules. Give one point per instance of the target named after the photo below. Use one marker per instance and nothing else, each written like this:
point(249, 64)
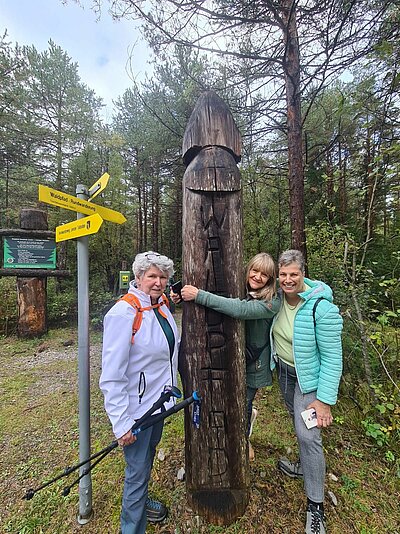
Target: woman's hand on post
point(189, 292)
point(126, 439)
point(324, 415)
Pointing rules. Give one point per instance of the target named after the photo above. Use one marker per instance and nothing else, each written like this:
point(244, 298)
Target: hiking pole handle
point(195, 397)
point(168, 392)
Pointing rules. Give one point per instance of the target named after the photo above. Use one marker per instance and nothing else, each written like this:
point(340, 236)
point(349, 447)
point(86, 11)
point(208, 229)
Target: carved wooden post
point(32, 292)
point(212, 356)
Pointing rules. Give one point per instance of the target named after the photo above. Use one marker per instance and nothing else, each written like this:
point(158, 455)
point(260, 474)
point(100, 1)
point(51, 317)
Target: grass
point(39, 438)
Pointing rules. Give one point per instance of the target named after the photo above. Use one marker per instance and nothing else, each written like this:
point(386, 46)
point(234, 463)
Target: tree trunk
point(291, 67)
point(32, 292)
point(370, 187)
point(330, 191)
point(342, 185)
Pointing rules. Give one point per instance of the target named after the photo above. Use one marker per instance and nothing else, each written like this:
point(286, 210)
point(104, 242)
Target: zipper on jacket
point(142, 386)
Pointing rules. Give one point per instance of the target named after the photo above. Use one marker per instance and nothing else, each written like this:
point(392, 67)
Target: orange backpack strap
point(166, 302)
point(135, 303)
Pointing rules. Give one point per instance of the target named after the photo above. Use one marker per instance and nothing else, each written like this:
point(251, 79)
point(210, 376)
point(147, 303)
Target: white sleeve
point(113, 383)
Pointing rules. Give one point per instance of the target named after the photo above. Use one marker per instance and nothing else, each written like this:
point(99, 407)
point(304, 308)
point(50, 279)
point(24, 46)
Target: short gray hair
point(145, 260)
point(292, 256)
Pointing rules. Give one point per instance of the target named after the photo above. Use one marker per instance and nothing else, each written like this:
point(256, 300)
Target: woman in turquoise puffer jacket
point(307, 348)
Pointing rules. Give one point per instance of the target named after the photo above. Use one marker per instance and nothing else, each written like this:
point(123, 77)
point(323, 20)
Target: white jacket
point(134, 375)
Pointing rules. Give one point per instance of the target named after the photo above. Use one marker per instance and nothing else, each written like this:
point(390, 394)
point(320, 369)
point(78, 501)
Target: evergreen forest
point(314, 87)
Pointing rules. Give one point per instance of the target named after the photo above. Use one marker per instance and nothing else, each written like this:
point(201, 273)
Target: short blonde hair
point(264, 263)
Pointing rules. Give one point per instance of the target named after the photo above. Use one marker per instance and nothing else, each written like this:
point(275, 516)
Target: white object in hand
point(309, 417)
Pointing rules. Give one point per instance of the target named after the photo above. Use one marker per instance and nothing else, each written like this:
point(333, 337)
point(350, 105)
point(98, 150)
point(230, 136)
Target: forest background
point(314, 89)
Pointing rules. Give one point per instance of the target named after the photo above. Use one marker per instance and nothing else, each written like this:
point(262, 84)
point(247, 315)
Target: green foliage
point(264, 210)
point(376, 431)
point(62, 307)
point(100, 302)
point(325, 249)
point(349, 484)
point(382, 423)
point(8, 305)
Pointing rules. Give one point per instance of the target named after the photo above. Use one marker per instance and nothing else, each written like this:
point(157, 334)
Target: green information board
point(29, 253)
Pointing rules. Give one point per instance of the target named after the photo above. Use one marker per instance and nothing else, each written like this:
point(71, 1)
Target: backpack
point(135, 303)
point(314, 309)
point(314, 320)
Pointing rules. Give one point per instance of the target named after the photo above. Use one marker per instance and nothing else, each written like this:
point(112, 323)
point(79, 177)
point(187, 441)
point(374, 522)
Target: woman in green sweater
point(257, 309)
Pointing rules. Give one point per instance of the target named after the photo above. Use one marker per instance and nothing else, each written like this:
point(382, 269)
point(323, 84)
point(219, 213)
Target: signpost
point(69, 202)
point(80, 229)
point(98, 186)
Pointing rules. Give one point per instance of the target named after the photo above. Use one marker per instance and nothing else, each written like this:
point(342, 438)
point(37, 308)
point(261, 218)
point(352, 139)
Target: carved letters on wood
point(212, 349)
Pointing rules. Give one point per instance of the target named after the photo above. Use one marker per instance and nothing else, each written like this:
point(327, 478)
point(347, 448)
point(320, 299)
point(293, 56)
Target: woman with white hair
point(139, 359)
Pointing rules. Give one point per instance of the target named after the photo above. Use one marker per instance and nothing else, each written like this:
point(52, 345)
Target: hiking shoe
point(252, 420)
point(315, 520)
point(291, 469)
point(155, 510)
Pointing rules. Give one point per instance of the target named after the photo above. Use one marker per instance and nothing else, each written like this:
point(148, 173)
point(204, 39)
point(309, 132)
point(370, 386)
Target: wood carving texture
point(212, 350)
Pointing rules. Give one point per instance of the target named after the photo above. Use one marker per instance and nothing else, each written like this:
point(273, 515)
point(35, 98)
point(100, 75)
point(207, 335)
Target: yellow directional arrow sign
point(69, 202)
point(98, 186)
point(79, 228)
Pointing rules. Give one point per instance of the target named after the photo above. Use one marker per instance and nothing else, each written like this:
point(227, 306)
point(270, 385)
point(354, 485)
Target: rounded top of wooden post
point(211, 124)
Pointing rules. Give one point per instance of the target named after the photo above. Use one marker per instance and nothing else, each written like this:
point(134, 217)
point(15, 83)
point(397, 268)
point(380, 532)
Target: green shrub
point(8, 305)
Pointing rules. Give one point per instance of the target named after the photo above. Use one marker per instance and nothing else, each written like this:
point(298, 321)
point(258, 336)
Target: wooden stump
point(212, 349)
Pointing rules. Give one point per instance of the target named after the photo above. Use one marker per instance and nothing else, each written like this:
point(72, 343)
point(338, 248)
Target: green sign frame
point(29, 253)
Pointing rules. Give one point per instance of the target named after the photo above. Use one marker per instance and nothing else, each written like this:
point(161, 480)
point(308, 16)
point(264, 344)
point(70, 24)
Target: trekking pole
point(136, 429)
point(168, 392)
point(195, 397)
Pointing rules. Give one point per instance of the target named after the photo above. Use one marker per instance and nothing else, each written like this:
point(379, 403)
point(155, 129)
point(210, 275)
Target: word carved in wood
point(212, 360)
